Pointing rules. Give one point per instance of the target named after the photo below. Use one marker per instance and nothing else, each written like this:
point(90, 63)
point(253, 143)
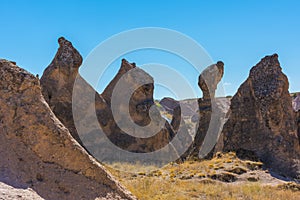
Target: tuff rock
point(262, 123)
point(58, 83)
point(212, 113)
point(38, 152)
point(296, 107)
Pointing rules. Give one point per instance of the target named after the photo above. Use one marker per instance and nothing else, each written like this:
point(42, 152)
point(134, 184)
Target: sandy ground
point(8, 192)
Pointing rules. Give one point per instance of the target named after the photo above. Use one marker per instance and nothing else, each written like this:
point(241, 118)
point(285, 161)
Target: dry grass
point(192, 180)
point(154, 188)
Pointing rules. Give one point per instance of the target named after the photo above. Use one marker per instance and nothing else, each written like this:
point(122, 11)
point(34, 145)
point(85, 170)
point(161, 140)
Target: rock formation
point(140, 105)
point(182, 113)
point(209, 109)
point(296, 107)
point(262, 122)
point(58, 82)
point(296, 103)
point(169, 104)
point(209, 80)
point(37, 151)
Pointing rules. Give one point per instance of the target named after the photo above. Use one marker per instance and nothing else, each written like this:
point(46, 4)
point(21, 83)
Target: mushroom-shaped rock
point(209, 108)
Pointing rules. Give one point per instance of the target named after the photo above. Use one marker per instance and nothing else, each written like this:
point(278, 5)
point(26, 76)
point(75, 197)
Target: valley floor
point(224, 177)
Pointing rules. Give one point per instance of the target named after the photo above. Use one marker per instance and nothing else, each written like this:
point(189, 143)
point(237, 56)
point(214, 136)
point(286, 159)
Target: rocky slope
point(262, 122)
point(38, 152)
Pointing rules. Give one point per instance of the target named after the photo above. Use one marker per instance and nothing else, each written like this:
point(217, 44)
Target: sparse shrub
point(195, 180)
point(253, 179)
point(253, 165)
point(224, 177)
point(200, 175)
point(290, 186)
point(142, 173)
point(237, 170)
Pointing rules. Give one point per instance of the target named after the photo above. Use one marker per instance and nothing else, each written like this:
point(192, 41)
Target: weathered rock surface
point(262, 121)
point(296, 103)
point(180, 114)
point(58, 84)
point(141, 104)
point(208, 109)
point(190, 110)
point(169, 104)
point(38, 152)
point(209, 80)
point(8, 192)
point(296, 107)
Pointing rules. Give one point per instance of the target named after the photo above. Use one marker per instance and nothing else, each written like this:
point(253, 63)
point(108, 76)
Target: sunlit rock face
point(37, 151)
point(58, 88)
point(209, 107)
point(296, 107)
point(58, 80)
point(262, 121)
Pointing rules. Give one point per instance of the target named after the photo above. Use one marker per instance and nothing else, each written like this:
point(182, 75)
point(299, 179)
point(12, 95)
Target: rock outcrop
point(38, 152)
point(58, 84)
point(296, 107)
point(262, 122)
point(169, 104)
point(140, 105)
point(211, 113)
point(296, 103)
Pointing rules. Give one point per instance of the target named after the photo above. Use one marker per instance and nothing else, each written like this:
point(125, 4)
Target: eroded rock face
point(140, 99)
point(209, 80)
point(59, 85)
point(37, 151)
point(209, 107)
point(296, 107)
point(262, 121)
point(296, 103)
point(141, 104)
point(169, 104)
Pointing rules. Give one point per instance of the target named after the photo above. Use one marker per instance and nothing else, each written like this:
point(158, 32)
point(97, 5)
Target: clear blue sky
point(239, 33)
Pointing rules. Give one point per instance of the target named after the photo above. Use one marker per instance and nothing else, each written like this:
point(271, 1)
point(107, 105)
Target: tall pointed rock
point(57, 83)
point(262, 122)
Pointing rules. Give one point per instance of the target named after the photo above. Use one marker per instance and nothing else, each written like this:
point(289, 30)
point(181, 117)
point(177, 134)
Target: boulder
point(262, 122)
point(37, 151)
